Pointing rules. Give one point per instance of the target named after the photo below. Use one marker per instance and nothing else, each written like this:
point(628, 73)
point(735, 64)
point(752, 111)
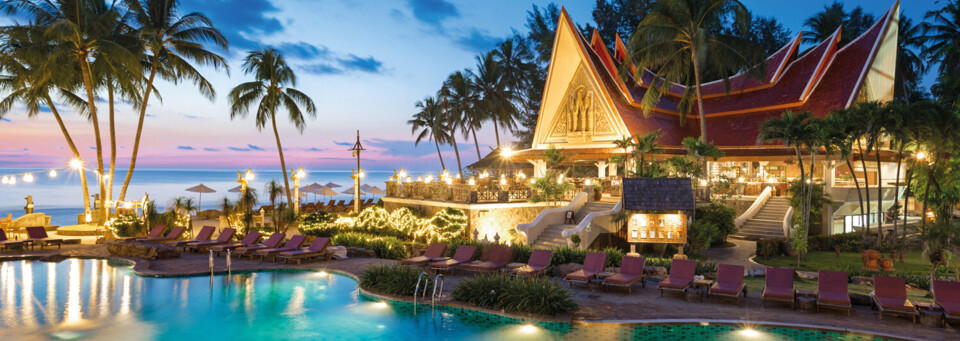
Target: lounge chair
point(832, 291)
point(463, 255)
point(729, 283)
point(681, 274)
point(890, 296)
point(223, 238)
point(173, 235)
point(204, 235)
point(946, 295)
point(316, 250)
point(347, 207)
point(539, 261)
point(592, 265)
point(37, 235)
point(10, 244)
point(157, 231)
point(500, 256)
point(631, 272)
point(434, 253)
point(292, 245)
point(251, 239)
point(272, 242)
point(778, 286)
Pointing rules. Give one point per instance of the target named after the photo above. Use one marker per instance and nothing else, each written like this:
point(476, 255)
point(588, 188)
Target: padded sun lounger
point(594, 264)
point(224, 238)
point(250, 240)
point(539, 261)
point(729, 283)
point(463, 255)
point(832, 291)
point(204, 235)
point(10, 244)
point(500, 256)
point(174, 234)
point(890, 296)
point(157, 231)
point(37, 235)
point(778, 286)
point(946, 295)
point(631, 272)
point(292, 245)
point(272, 242)
point(681, 274)
point(316, 250)
point(434, 253)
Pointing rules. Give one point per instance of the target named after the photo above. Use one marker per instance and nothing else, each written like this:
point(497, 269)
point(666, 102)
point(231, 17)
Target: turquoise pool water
point(83, 299)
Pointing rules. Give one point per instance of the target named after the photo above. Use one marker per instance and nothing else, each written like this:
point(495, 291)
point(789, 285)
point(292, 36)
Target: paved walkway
point(737, 255)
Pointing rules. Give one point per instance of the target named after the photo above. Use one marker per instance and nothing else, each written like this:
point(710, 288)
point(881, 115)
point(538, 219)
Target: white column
point(631, 166)
point(829, 169)
point(601, 169)
point(539, 168)
point(612, 170)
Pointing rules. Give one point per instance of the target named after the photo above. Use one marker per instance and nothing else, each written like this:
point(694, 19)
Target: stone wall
point(487, 219)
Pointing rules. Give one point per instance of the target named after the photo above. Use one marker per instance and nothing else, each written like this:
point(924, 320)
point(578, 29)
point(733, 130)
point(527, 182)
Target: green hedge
point(391, 279)
point(566, 254)
point(384, 247)
point(722, 217)
point(848, 242)
point(536, 295)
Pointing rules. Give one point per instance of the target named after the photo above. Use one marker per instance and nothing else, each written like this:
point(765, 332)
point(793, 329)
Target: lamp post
point(299, 174)
point(243, 178)
point(357, 173)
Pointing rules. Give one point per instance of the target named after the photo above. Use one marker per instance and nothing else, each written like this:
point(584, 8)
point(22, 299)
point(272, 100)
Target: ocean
point(61, 197)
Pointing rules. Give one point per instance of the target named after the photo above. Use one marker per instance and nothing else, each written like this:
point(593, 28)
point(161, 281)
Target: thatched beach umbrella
point(235, 189)
point(365, 187)
point(200, 189)
point(331, 185)
point(350, 191)
point(325, 191)
point(376, 191)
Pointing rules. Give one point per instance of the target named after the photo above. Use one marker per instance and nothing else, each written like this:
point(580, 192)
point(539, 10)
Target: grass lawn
point(755, 287)
point(825, 260)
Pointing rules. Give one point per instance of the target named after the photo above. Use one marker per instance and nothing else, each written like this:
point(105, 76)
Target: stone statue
point(29, 206)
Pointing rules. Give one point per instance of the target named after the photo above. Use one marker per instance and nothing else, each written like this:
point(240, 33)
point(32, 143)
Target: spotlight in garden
point(921, 155)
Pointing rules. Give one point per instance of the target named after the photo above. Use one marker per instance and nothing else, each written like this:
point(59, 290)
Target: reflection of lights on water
point(749, 332)
point(322, 274)
point(125, 296)
point(74, 312)
point(380, 305)
point(528, 329)
point(28, 316)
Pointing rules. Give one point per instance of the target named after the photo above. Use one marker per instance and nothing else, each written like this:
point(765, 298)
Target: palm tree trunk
point(113, 141)
point(76, 152)
point(456, 151)
point(136, 139)
point(879, 195)
point(91, 100)
point(438, 154)
point(703, 114)
point(866, 185)
point(803, 185)
point(896, 190)
point(283, 164)
point(856, 183)
point(496, 131)
point(809, 195)
point(906, 198)
point(476, 144)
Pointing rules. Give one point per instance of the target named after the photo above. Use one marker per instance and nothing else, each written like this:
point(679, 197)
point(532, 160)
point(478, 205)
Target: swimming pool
point(95, 299)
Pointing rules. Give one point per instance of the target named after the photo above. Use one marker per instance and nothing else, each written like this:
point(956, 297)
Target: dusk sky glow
point(365, 64)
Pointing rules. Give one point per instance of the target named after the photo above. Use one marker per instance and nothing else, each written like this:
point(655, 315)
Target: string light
point(53, 173)
point(28, 177)
point(5, 180)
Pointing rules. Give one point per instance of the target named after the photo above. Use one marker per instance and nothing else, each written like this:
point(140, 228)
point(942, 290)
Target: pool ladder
point(433, 296)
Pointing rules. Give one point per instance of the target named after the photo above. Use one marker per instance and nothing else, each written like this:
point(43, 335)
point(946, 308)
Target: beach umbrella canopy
point(235, 189)
point(331, 185)
point(365, 187)
point(323, 190)
point(376, 190)
point(200, 189)
point(311, 187)
point(350, 191)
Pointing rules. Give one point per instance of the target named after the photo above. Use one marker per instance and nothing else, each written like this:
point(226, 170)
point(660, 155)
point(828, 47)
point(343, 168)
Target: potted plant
point(597, 192)
point(870, 259)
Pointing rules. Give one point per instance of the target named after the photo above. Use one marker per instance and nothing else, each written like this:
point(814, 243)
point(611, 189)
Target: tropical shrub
point(701, 234)
point(535, 295)
point(373, 220)
point(566, 254)
point(702, 266)
point(323, 224)
point(405, 221)
point(384, 247)
point(391, 279)
point(446, 225)
point(848, 242)
point(125, 225)
point(521, 252)
point(722, 216)
point(614, 257)
point(767, 248)
point(455, 244)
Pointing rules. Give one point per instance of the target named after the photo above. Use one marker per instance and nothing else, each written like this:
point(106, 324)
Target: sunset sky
point(365, 64)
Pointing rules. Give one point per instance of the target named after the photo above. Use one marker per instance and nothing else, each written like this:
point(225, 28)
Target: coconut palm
point(464, 103)
point(497, 99)
point(910, 65)
point(274, 193)
point(430, 121)
point(444, 96)
point(701, 151)
point(942, 34)
point(171, 40)
point(516, 61)
point(840, 131)
point(271, 91)
point(647, 144)
point(683, 40)
point(28, 80)
point(792, 130)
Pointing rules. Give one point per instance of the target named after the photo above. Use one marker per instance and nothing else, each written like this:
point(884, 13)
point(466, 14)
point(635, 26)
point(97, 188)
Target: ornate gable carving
point(581, 116)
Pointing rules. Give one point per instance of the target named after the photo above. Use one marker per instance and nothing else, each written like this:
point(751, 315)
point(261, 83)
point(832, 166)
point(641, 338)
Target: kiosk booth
point(658, 210)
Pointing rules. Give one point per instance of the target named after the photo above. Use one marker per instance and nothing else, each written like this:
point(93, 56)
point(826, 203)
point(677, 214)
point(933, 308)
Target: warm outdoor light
point(703, 182)
point(4, 181)
point(528, 329)
point(76, 164)
point(12, 180)
point(28, 178)
point(921, 155)
point(53, 173)
point(587, 182)
point(249, 175)
point(748, 332)
point(471, 182)
point(506, 152)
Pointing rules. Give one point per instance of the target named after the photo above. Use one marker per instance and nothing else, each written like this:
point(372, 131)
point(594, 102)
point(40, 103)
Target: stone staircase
point(552, 236)
point(768, 222)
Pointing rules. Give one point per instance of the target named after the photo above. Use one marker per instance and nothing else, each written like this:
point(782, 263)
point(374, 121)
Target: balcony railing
point(459, 193)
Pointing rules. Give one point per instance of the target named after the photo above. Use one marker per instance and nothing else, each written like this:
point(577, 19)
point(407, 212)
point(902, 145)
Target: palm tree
point(444, 95)
point(910, 66)
point(464, 101)
point(793, 130)
point(824, 23)
point(274, 192)
point(701, 151)
point(647, 144)
point(497, 99)
point(680, 36)
point(271, 90)
point(430, 121)
point(841, 130)
point(28, 81)
point(170, 42)
point(941, 30)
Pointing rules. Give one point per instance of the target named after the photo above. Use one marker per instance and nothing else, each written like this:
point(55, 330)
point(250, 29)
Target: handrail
point(755, 207)
point(433, 296)
point(788, 222)
point(533, 229)
point(417, 289)
point(585, 242)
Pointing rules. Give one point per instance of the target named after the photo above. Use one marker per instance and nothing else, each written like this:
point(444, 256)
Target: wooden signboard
point(657, 228)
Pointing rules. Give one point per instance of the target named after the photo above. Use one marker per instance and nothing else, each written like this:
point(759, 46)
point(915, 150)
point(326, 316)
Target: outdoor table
point(807, 300)
point(703, 284)
point(695, 295)
point(930, 314)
